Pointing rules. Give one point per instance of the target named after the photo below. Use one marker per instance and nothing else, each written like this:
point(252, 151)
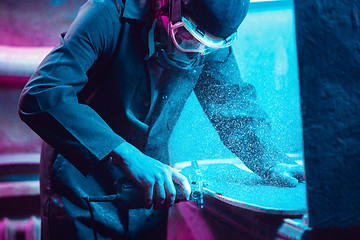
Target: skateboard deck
point(229, 182)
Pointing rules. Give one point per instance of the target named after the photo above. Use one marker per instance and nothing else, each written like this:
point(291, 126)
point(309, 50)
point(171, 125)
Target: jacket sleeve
point(49, 103)
point(231, 105)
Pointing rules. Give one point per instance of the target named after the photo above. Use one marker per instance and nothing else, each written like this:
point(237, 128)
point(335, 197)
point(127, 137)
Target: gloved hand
point(154, 177)
point(286, 175)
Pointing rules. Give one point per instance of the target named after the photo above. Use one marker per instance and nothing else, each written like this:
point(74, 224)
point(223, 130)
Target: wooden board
point(230, 182)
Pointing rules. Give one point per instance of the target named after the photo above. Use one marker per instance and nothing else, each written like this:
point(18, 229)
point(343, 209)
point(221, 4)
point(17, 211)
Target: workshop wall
point(37, 22)
point(25, 25)
point(328, 38)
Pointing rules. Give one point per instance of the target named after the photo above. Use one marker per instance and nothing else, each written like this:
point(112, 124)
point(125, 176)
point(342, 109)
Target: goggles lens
point(187, 37)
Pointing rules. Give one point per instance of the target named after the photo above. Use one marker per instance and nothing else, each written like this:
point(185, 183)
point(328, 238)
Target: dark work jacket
point(95, 90)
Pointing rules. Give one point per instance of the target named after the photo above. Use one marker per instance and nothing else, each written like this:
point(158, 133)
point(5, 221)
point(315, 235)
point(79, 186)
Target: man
point(107, 98)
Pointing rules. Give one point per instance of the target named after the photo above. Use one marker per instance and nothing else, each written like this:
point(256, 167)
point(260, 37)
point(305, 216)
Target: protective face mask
point(165, 52)
point(177, 59)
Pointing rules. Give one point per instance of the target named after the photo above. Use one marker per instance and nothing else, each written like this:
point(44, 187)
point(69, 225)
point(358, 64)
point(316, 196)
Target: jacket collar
point(137, 9)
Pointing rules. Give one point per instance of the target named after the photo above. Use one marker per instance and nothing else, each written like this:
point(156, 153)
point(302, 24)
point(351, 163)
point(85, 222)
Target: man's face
point(181, 39)
point(180, 42)
point(188, 37)
point(172, 49)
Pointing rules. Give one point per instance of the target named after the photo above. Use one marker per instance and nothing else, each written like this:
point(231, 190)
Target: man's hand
point(286, 175)
point(151, 175)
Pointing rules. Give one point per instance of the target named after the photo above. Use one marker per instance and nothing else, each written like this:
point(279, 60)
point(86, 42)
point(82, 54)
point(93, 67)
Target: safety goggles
point(188, 37)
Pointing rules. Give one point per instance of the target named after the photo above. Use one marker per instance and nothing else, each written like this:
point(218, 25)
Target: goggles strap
point(174, 14)
point(175, 11)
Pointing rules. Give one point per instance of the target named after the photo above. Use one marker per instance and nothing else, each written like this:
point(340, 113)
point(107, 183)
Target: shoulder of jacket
point(112, 7)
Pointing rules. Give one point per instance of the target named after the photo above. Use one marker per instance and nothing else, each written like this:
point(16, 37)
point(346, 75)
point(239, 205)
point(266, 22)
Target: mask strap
point(151, 41)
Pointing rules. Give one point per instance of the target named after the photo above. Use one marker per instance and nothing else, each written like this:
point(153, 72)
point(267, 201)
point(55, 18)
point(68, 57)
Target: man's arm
point(243, 126)
point(49, 103)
